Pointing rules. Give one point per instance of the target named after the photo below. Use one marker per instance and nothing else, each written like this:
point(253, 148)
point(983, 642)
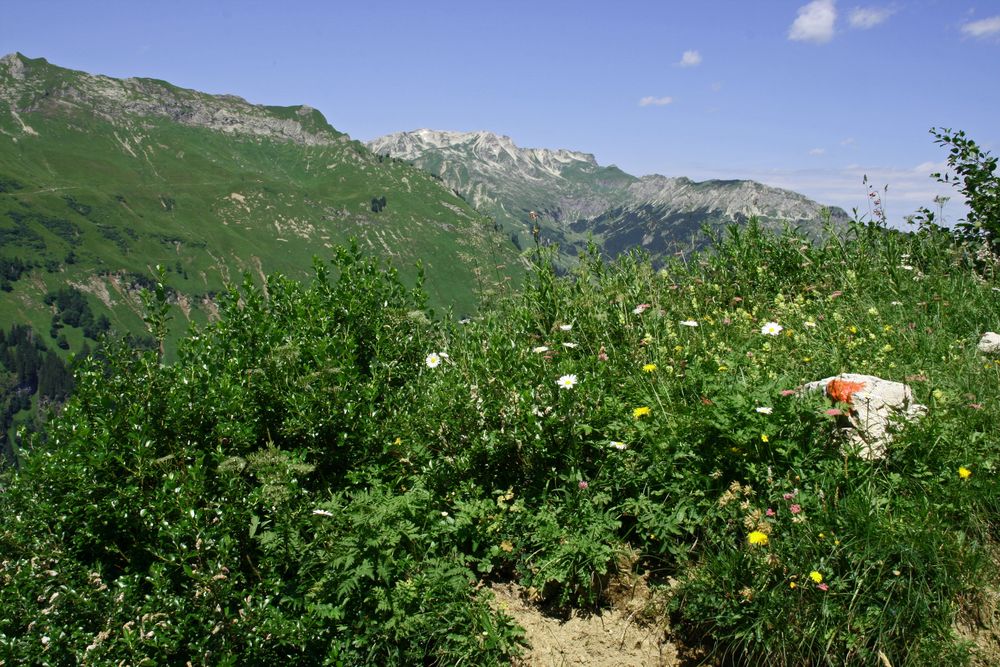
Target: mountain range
point(572, 198)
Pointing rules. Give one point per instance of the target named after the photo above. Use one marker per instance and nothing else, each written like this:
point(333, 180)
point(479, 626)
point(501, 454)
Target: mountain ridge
point(572, 198)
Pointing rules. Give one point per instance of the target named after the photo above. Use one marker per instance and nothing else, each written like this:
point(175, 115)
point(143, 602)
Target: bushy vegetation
point(329, 473)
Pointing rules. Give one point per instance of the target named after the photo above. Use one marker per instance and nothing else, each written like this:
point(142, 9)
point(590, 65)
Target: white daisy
point(571, 345)
point(764, 410)
point(689, 323)
point(323, 512)
point(620, 446)
point(540, 349)
point(566, 382)
point(565, 327)
point(433, 360)
point(771, 329)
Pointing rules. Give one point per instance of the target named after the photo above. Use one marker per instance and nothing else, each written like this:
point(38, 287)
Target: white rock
point(875, 408)
point(989, 343)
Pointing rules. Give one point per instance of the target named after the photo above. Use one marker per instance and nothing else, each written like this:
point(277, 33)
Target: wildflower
point(602, 354)
point(444, 514)
point(763, 437)
point(964, 472)
point(640, 309)
point(816, 576)
point(895, 303)
point(790, 494)
point(323, 512)
point(834, 412)
point(569, 345)
point(433, 360)
point(506, 546)
point(771, 329)
point(764, 410)
point(976, 406)
point(540, 349)
point(792, 584)
point(823, 587)
point(649, 368)
point(809, 324)
point(769, 512)
point(689, 323)
point(567, 381)
point(641, 412)
point(620, 446)
point(565, 327)
point(795, 508)
point(834, 295)
point(757, 538)
point(788, 392)
point(583, 484)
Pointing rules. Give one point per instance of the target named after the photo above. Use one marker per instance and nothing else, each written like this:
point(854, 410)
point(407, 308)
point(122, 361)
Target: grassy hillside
point(331, 476)
point(101, 180)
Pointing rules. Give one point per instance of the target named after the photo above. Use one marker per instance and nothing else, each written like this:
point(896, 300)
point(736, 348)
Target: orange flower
point(842, 390)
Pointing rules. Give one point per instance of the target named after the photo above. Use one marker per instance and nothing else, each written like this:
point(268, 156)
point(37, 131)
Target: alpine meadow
point(274, 396)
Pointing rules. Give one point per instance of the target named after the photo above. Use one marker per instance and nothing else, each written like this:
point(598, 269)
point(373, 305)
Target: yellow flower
point(639, 413)
point(649, 368)
point(816, 576)
point(763, 437)
point(757, 538)
point(792, 584)
point(964, 472)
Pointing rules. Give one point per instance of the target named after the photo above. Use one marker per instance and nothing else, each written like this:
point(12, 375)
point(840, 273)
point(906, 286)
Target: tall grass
point(329, 473)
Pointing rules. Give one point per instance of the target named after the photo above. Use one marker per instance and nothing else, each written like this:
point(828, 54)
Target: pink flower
point(640, 309)
point(823, 587)
point(836, 294)
point(790, 494)
point(788, 392)
point(727, 321)
point(795, 509)
point(583, 484)
point(769, 512)
point(834, 412)
point(976, 406)
point(602, 354)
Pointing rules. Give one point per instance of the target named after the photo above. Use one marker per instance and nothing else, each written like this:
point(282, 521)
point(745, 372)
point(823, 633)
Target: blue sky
point(805, 95)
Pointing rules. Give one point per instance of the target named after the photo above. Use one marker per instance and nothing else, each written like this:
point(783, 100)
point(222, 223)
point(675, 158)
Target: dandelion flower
point(567, 382)
point(771, 329)
point(763, 437)
point(757, 538)
point(540, 349)
point(689, 323)
point(764, 410)
point(640, 412)
point(816, 576)
point(433, 360)
point(620, 446)
point(565, 327)
point(964, 472)
point(649, 368)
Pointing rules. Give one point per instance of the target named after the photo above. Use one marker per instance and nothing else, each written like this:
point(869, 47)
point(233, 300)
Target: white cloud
point(655, 101)
point(716, 86)
point(814, 22)
point(690, 59)
point(864, 18)
point(817, 151)
point(849, 141)
point(983, 27)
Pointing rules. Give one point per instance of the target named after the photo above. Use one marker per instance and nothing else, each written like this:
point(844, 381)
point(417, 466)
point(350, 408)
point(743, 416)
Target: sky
point(810, 96)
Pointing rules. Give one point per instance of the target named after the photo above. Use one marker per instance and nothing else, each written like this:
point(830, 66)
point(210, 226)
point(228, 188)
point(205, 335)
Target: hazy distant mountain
point(574, 197)
point(101, 179)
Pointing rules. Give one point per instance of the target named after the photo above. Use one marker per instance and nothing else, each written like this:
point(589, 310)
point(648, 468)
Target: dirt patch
point(622, 636)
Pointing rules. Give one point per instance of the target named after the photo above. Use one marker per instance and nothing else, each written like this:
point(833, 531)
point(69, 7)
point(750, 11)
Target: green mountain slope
point(103, 179)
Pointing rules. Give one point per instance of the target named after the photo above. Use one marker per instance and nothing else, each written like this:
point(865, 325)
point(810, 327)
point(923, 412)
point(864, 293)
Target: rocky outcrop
point(873, 407)
point(27, 87)
point(989, 343)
